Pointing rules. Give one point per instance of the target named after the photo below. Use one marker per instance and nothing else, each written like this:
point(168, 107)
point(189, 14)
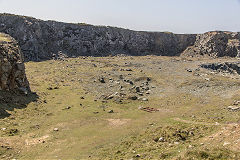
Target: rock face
point(12, 70)
point(216, 44)
point(42, 40)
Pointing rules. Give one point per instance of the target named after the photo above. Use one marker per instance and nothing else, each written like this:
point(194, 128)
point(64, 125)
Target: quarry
point(79, 91)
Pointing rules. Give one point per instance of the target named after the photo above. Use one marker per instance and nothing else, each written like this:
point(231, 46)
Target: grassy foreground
point(67, 118)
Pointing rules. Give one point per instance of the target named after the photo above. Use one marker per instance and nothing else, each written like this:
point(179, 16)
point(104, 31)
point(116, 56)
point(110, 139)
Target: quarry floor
point(123, 108)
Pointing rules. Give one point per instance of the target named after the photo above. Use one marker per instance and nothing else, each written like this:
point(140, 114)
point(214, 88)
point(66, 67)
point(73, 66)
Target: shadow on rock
point(10, 100)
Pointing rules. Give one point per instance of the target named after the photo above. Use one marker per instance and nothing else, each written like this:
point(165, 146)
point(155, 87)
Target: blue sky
point(178, 16)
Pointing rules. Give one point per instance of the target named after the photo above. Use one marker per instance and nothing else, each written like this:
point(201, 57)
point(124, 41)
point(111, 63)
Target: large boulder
point(12, 70)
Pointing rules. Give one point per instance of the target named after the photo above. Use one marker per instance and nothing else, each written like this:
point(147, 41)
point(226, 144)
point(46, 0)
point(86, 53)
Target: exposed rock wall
point(216, 44)
point(41, 40)
point(12, 70)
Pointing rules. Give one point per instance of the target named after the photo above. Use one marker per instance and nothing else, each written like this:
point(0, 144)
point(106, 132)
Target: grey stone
point(138, 89)
point(138, 155)
point(102, 80)
point(236, 103)
point(110, 111)
point(42, 40)
point(12, 70)
point(144, 99)
point(149, 79)
point(133, 97)
point(161, 139)
point(120, 76)
point(55, 129)
point(234, 108)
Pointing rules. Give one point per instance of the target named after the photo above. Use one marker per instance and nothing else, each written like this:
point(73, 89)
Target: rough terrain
point(125, 108)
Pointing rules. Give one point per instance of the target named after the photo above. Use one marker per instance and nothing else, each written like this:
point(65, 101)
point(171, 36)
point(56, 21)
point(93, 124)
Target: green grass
point(176, 139)
point(84, 130)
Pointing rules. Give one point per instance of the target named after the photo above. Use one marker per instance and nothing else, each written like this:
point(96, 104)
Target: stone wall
point(12, 70)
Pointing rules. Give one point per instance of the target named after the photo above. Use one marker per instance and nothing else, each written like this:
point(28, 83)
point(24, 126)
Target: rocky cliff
point(12, 70)
point(215, 44)
point(41, 40)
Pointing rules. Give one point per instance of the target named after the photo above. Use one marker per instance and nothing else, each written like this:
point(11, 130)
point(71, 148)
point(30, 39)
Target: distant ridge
point(42, 40)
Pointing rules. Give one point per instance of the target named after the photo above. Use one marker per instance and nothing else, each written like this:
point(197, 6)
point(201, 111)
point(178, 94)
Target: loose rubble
point(226, 67)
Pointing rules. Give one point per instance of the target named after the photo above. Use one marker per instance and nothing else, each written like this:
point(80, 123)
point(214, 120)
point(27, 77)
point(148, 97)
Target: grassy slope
point(83, 133)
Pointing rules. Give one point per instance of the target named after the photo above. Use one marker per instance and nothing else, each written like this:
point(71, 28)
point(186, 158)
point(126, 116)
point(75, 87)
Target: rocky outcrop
point(12, 70)
point(42, 40)
point(215, 44)
point(226, 67)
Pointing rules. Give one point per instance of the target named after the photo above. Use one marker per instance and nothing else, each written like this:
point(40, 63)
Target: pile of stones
point(226, 67)
point(125, 88)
